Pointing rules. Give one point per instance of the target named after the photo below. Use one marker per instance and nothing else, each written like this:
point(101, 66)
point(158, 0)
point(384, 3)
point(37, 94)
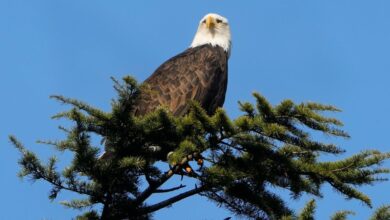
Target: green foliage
point(382, 213)
point(308, 212)
point(91, 215)
point(77, 204)
point(341, 215)
point(238, 162)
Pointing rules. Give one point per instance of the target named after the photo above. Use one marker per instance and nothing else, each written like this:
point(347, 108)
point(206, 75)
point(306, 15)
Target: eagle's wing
point(198, 73)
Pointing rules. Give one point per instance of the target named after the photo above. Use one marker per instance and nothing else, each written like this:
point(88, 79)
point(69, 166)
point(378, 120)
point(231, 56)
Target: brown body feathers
point(199, 74)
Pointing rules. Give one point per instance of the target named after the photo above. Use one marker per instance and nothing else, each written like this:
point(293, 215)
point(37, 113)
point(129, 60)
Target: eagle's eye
point(219, 21)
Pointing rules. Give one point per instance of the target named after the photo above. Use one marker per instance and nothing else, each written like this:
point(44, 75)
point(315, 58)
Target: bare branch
point(172, 200)
point(155, 185)
point(170, 190)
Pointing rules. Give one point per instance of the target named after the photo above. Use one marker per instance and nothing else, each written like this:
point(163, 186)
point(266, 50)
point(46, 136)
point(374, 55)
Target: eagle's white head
point(213, 29)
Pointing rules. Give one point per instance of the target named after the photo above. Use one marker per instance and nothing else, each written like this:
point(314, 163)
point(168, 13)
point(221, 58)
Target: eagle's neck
point(214, 39)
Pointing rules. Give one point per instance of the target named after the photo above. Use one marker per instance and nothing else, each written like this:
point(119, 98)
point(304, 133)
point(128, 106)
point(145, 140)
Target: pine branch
point(170, 189)
point(170, 201)
point(154, 187)
point(307, 213)
point(96, 113)
point(341, 215)
point(382, 213)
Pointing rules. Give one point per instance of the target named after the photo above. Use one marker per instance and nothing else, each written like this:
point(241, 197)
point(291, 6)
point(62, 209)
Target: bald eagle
point(199, 73)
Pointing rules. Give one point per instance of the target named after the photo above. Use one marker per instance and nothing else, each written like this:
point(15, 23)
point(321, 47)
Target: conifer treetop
point(235, 163)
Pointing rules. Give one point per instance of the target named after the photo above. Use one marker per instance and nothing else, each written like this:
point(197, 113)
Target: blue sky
point(334, 52)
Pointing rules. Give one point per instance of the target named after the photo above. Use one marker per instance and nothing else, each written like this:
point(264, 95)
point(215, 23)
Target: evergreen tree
point(236, 163)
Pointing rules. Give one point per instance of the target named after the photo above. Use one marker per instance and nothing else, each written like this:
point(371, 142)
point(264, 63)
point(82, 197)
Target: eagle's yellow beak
point(210, 22)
